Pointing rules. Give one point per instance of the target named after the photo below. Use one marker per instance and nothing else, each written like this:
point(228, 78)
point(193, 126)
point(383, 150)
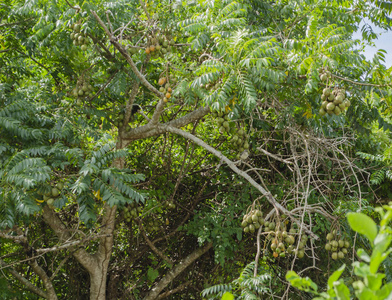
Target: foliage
point(369, 283)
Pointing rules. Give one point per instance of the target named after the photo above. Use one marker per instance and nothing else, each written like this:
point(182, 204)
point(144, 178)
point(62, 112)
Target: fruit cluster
point(165, 88)
point(159, 45)
point(132, 212)
point(252, 221)
point(222, 119)
point(338, 247)
point(239, 140)
point(169, 205)
point(49, 194)
point(152, 224)
point(334, 101)
point(82, 89)
point(79, 38)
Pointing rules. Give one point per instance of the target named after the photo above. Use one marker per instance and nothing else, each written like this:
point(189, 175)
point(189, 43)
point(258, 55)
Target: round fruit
point(326, 92)
point(344, 250)
point(301, 254)
point(324, 77)
point(346, 244)
point(322, 112)
point(84, 47)
point(258, 213)
point(337, 110)
point(334, 243)
point(347, 103)
point(252, 228)
point(340, 255)
point(50, 201)
point(55, 192)
point(246, 229)
point(328, 247)
point(334, 256)
point(274, 246)
point(168, 95)
point(330, 106)
point(244, 223)
point(341, 243)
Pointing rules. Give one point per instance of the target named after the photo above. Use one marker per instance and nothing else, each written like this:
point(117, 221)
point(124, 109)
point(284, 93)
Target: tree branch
point(180, 267)
point(29, 286)
point(243, 174)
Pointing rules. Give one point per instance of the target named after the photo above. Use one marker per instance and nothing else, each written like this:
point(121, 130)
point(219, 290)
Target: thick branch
point(29, 286)
point(85, 259)
point(50, 292)
point(243, 174)
point(186, 262)
point(149, 130)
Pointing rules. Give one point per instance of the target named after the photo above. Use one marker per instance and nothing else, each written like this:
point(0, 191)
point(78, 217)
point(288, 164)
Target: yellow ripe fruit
point(165, 99)
point(152, 48)
point(148, 50)
point(168, 95)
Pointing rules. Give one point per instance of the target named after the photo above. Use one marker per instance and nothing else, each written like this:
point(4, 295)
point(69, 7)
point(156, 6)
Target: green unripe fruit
point(335, 244)
point(274, 246)
point(331, 97)
point(346, 103)
point(257, 225)
point(330, 106)
point(324, 77)
point(55, 192)
point(341, 243)
point(301, 254)
point(340, 254)
point(322, 112)
point(255, 218)
point(328, 247)
point(84, 47)
point(244, 223)
point(258, 213)
point(346, 244)
point(246, 229)
point(252, 228)
point(334, 256)
point(326, 92)
point(337, 110)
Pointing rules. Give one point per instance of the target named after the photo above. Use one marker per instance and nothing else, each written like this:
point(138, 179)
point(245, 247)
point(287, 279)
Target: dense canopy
point(196, 149)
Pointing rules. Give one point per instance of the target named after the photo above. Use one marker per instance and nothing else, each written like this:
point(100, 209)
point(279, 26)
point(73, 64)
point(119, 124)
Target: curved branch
point(243, 174)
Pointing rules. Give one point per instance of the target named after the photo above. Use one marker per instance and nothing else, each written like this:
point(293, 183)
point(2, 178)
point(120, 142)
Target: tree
point(131, 130)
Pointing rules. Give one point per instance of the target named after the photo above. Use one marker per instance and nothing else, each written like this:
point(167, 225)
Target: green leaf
point(335, 276)
point(363, 224)
point(228, 296)
point(152, 274)
point(342, 291)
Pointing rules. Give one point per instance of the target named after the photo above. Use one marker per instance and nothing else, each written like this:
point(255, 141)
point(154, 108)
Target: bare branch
point(29, 286)
point(243, 174)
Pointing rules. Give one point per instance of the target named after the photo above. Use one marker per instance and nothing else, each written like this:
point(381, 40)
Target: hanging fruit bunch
point(333, 98)
point(132, 211)
point(239, 139)
point(82, 90)
point(79, 38)
point(285, 242)
point(334, 101)
point(252, 221)
point(337, 245)
point(152, 223)
point(49, 194)
point(166, 89)
point(158, 45)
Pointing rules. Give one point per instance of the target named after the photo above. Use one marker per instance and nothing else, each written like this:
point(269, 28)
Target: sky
point(384, 41)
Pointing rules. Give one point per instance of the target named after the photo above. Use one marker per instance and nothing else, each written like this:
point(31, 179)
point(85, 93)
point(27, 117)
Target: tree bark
point(186, 262)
